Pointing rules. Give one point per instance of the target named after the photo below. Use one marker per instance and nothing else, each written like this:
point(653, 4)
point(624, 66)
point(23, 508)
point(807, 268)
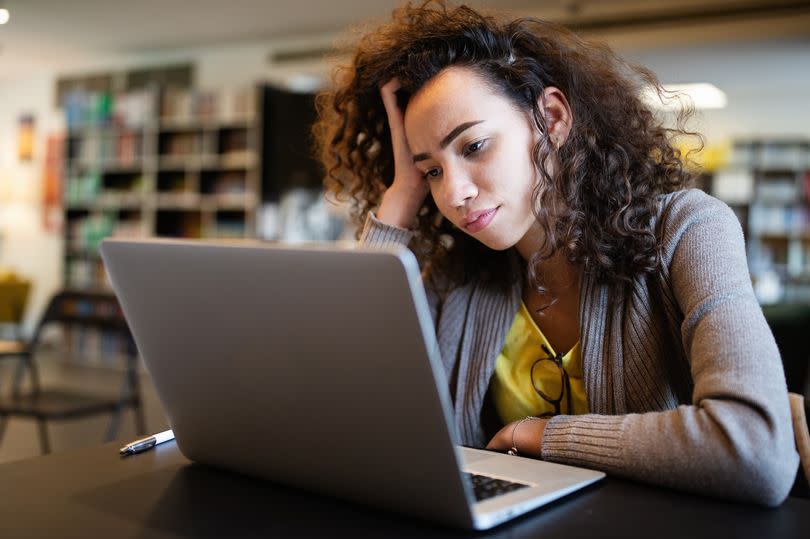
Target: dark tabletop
point(93, 492)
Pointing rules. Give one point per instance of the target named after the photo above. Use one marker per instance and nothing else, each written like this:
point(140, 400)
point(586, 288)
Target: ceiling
point(61, 35)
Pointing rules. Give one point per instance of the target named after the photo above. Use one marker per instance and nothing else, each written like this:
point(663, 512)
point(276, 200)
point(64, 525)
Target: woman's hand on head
point(525, 434)
point(407, 193)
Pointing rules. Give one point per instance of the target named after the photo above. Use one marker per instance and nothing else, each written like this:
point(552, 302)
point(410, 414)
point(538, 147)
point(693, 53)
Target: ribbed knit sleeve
point(591, 441)
point(376, 233)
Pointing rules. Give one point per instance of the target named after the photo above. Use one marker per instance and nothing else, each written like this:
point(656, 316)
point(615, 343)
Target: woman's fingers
point(407, 191)
point(389, 97)
point(402, 153)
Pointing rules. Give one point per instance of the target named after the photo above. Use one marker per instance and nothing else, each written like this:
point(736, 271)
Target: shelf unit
point(767, 184)
point(158, 162)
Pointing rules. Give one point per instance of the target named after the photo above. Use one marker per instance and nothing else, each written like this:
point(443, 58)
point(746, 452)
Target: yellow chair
point(13, 299)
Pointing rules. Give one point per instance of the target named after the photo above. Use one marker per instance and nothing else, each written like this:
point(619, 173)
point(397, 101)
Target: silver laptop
point(316, 367)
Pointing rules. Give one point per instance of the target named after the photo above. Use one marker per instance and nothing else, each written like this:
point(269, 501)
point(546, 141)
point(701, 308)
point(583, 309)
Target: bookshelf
point(170, 162)
point(767, 184)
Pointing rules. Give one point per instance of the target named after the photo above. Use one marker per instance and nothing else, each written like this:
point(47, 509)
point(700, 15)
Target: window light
point(702, 95)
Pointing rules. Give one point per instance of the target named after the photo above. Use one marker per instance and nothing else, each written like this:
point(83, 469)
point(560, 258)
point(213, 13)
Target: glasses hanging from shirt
point(555, 360)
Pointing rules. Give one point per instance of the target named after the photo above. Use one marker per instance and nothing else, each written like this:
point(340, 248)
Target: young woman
point(590, 309)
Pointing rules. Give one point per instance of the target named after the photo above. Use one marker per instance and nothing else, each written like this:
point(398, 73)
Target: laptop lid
point(313, 366)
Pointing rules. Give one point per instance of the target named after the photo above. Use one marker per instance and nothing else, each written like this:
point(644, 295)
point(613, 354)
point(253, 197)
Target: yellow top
point(511, 387)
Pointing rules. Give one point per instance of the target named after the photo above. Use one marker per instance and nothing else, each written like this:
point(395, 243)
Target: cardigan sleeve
point(375, 233)
point(734, 439)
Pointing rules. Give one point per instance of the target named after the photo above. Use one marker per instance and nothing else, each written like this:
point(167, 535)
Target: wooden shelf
point(171, 176)
point(776, 217)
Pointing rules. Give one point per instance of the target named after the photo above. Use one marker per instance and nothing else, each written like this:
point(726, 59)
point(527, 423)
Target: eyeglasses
point(565, 383)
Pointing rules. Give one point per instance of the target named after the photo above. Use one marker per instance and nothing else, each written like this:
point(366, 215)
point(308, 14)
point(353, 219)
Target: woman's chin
point(497, 244)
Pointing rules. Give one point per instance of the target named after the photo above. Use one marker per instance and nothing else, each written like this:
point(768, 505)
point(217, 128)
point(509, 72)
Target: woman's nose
point(459, 188)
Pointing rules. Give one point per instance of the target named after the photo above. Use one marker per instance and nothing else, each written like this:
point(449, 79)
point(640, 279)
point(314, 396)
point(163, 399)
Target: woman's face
point(475, 150)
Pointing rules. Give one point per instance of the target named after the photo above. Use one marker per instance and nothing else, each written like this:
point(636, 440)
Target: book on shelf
point(134, 108)
point(775, 220)
point(782, 189)
point(82, 189)
point(129, 148)
point(783, 155)
point(107, 150)
point(184, 105)
point(180, 143)
point(807, 185)
point(130, 109)
point(225, 181)
point(175, 103)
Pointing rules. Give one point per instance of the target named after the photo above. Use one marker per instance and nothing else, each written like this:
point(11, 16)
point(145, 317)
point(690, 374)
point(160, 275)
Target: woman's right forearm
point(399, 206)
point(402, 200)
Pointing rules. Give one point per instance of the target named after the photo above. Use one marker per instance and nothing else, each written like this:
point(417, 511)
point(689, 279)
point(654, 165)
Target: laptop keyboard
point(486, 487)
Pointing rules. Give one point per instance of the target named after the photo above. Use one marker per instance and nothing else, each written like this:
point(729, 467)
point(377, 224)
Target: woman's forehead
point(453, 78)
point(454, 97)
point(456, 90)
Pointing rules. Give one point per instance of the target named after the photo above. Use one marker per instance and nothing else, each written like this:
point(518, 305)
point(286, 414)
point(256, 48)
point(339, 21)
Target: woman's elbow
point(767, 480)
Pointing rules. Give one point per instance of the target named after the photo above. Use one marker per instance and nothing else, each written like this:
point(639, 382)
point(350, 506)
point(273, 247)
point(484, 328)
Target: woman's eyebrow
point(448, 139)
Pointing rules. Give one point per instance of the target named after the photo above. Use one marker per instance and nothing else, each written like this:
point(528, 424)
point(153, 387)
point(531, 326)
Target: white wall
point(767, 87)
point(767, 84)
point(26, 247)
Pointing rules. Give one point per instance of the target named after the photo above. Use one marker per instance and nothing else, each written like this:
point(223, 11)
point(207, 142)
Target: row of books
point(85, 234)
point(225, 182)
point(223, 104)
point(228, 228)
point(778, 155)
point(136, 108)
point(94, 347)
point(89, 188)
point(779, 219)
point(789, 262)
point(740, 186)
point(86, 273)
point(124, 148)
point(783, 189)
point(89, 108)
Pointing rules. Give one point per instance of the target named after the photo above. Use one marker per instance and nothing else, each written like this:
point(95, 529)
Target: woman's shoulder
point(681, 209)
point(698, 214)
point(690, 200)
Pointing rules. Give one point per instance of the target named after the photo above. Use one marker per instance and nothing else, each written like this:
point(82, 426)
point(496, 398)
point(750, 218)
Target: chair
point(13, 298)
point(73, 311)
point(789, 323)
point(798, 412)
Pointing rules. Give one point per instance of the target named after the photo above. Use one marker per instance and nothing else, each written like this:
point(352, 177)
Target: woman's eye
point(432, 173)
point(474, 147)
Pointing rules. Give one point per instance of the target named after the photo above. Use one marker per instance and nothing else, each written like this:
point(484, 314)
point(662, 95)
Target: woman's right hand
point(407, 193)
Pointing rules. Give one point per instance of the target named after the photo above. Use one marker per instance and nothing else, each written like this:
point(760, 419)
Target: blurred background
point(191, 119)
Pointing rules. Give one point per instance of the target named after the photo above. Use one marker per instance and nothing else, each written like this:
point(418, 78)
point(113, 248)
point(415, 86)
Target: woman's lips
point(478, 221)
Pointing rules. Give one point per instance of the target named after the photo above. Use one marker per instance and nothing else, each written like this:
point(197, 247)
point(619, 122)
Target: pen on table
point(144, 444)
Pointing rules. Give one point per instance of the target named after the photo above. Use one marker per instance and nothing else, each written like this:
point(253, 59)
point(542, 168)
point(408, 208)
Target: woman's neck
point(557, 274)
point(555, 307)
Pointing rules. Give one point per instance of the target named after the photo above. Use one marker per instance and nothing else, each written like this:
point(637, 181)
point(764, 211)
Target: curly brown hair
point(598, 203)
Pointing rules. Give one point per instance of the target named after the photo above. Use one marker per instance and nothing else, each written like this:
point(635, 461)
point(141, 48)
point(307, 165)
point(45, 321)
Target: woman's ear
point(557, 113)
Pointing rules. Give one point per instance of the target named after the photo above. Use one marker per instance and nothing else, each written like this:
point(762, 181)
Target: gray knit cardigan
point(684, 381)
